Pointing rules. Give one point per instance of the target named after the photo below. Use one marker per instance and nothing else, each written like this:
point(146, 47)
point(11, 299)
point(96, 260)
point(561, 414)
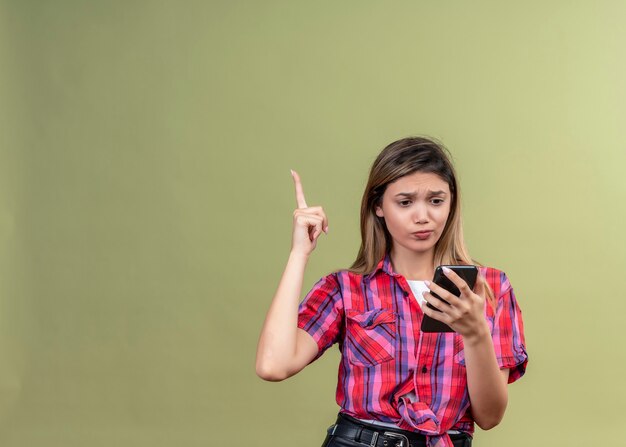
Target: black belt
point(376, 436)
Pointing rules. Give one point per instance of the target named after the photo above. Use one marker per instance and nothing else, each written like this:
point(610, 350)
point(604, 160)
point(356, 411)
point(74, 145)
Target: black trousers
point(350, 432)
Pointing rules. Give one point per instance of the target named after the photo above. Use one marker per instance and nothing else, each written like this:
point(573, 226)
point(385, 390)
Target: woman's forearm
point(487, 384)
point(283, 350)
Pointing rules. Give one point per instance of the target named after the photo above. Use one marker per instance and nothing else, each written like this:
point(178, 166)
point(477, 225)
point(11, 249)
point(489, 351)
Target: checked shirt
point(392, 372)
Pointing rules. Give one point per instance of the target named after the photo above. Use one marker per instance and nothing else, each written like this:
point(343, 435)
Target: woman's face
point(416, 208)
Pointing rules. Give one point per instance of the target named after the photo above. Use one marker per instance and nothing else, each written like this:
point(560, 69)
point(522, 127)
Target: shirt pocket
point(370, 336)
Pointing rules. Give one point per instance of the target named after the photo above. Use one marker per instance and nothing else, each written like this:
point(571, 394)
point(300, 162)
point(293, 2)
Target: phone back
point(469, 273)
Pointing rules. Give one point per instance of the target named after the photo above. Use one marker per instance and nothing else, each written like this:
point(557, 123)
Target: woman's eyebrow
point(406, 194)
point(413, 194)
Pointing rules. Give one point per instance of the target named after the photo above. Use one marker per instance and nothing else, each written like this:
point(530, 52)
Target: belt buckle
point(399, 436)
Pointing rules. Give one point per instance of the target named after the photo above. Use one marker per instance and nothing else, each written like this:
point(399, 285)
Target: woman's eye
point(405, 203)
point(437, 201)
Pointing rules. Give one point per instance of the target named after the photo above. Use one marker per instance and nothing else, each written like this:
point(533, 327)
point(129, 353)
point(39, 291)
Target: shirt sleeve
point(321, 313)
point(508, 332)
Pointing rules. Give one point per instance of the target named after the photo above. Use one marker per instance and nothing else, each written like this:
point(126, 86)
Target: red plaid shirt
point(392, 372)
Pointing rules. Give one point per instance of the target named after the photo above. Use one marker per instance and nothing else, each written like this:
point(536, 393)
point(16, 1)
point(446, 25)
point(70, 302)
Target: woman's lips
point(422, 234)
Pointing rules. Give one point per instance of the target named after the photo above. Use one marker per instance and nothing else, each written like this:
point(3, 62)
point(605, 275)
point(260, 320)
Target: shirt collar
point(384, 265)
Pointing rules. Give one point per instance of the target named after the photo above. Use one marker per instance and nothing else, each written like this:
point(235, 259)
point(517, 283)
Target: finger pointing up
point(299, 192)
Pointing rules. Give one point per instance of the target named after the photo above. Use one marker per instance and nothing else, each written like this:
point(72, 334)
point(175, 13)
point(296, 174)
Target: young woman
point(399, 386)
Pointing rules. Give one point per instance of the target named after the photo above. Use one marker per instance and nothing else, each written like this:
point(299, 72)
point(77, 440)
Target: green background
point(146, 201)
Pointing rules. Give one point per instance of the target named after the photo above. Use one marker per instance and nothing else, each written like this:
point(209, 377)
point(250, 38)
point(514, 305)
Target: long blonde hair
point(398, 159)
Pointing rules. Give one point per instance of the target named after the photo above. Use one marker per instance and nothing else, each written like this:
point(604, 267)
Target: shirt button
point(424, 370)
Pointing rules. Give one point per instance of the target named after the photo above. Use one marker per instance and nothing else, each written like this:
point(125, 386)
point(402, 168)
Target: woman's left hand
point(466, 313)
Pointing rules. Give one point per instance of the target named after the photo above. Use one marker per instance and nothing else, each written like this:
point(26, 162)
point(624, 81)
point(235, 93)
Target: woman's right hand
point(308, 222)
point(284, 349)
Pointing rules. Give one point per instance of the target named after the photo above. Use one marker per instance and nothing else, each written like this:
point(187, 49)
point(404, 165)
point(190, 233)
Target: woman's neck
point(413, 265)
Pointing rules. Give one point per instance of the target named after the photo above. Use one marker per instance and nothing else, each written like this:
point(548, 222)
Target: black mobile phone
point(469, 273)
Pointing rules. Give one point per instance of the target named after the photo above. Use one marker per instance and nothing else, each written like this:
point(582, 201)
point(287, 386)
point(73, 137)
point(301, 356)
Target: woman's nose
point(420, 214)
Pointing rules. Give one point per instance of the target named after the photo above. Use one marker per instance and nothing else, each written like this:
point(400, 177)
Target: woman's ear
point(379, 212)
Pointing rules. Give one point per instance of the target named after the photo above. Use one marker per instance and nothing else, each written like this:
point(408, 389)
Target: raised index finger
point(299, 192)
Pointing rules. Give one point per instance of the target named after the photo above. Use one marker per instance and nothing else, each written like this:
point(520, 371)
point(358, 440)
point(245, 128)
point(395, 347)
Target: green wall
point(146, 200)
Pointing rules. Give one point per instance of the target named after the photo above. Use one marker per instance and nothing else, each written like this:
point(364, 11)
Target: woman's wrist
point(298, 256)
point(479, 335)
